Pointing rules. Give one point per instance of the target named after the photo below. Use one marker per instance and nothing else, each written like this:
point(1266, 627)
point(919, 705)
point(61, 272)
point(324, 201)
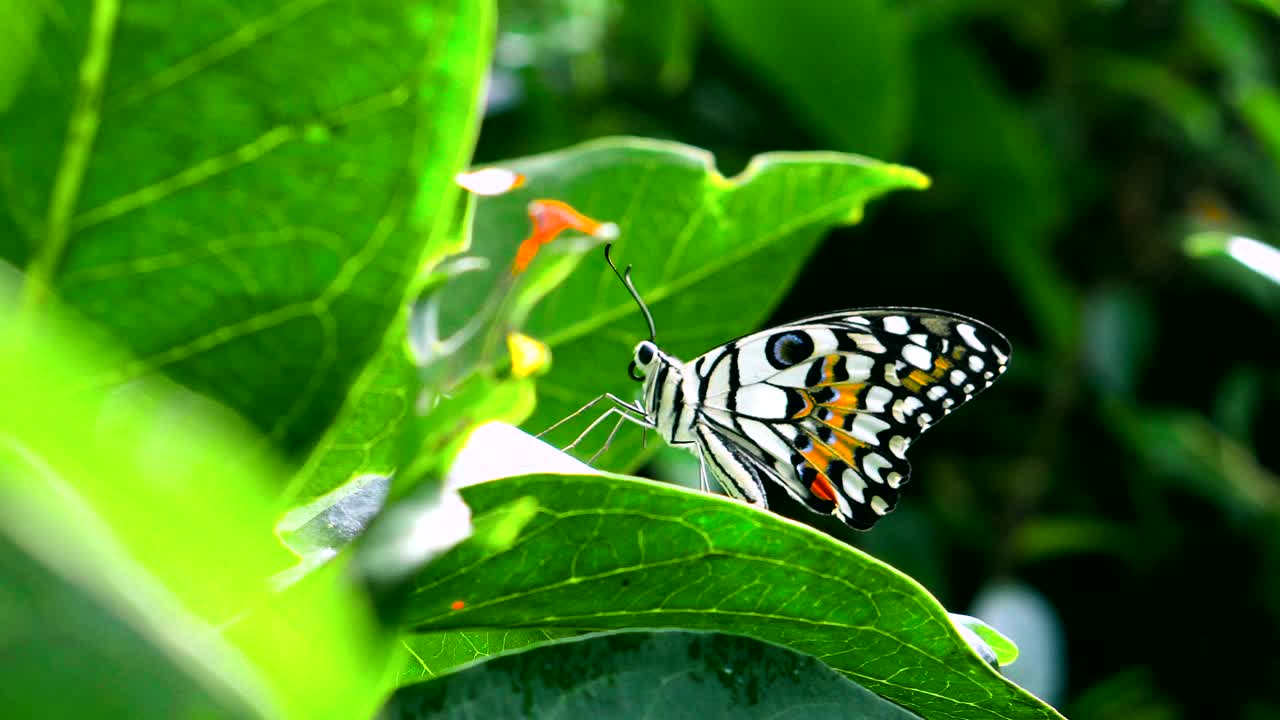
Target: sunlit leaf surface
point(614, 553)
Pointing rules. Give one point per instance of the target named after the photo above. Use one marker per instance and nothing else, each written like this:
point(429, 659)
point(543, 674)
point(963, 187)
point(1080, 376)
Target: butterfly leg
point(622, 413)
point(609, 440)
point(617, 401)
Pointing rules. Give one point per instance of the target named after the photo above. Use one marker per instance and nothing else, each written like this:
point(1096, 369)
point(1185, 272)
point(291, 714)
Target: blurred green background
point(1113, 503)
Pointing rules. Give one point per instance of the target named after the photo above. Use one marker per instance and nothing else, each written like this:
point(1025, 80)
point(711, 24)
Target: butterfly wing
point(827, 406)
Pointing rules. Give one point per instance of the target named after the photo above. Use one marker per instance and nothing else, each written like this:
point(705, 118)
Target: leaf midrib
point(82, 131)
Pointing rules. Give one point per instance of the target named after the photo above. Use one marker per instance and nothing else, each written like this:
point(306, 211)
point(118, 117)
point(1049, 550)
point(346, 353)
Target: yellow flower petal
point(528, 356)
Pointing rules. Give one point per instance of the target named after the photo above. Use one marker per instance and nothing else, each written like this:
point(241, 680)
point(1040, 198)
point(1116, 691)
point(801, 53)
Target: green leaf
point(1259, 106)
point(60, 640)
point(844, 68)
point(1195, 113)
point(1272, 6)
point(663, 35)
point(146, 505)
point(711, 255)
point(1004, 649)
point(241, 195)
point(434, 654)
point(707, 674)
point(1186, 448)
point(612, 553)
point(1241, 264)
point(418, 455)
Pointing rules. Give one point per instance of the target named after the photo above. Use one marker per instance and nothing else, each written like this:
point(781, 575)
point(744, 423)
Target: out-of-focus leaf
point(613, 553)
point(1131, 694)
point(429, 519)
point(60, 641)
point(442, 364)
point(711, 255)
point(988, 155)
point(1046, 537)
point(1194, 113)
point(677, 466)
point(23, 20)
point(1184, 447)
point(1259, 106)
point(703, 675)
point(148, 501)
point(420, 448)
point(430, 445)
point(1230, 36)
point(1119, 329)
point(844, 68)
point(664, 35)
point(448, 348)
point(1026, 617)
point(1236, 403)
point(1272, 5)
point(1245, 265)
point(240, 195)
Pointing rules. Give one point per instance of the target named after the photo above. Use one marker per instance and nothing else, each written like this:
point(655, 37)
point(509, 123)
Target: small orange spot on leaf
point(457, 605)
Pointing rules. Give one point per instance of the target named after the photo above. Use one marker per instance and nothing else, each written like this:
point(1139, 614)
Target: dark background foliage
point(1124, 471)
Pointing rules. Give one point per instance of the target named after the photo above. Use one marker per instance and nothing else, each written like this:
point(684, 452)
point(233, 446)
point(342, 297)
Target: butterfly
point(824, 408)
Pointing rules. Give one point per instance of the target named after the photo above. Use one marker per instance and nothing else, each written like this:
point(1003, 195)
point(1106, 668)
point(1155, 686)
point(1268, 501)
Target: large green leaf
point(703, 675)
point(611, 553)
point(241, 193)
point(843, 68)
point(138, 523)
point(712, 255)
point(433, 654)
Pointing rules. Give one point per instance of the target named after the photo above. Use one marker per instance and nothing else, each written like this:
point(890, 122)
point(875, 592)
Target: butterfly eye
point(644, 353)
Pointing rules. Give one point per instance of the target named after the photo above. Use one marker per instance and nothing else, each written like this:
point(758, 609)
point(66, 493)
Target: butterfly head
point(642, 363)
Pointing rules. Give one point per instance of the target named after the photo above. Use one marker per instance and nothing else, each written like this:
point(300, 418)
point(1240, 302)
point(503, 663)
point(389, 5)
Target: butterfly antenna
point(625, 277)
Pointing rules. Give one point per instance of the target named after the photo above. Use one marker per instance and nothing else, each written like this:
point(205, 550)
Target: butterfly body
point(825, 407)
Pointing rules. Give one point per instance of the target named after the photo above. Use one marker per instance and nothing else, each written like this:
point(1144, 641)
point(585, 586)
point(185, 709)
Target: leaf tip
point(910, 176)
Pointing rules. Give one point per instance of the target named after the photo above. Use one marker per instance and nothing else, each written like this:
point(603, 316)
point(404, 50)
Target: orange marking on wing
point(808, 405)
point(917, 379)
point(841, 447)
point(847, 398)
point(829, 368)
point(817, 456)
point(940, 367)
point(821, 487)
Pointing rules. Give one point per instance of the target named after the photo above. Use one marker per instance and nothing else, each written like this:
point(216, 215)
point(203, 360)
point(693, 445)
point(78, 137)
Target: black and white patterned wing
point(829, 405)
